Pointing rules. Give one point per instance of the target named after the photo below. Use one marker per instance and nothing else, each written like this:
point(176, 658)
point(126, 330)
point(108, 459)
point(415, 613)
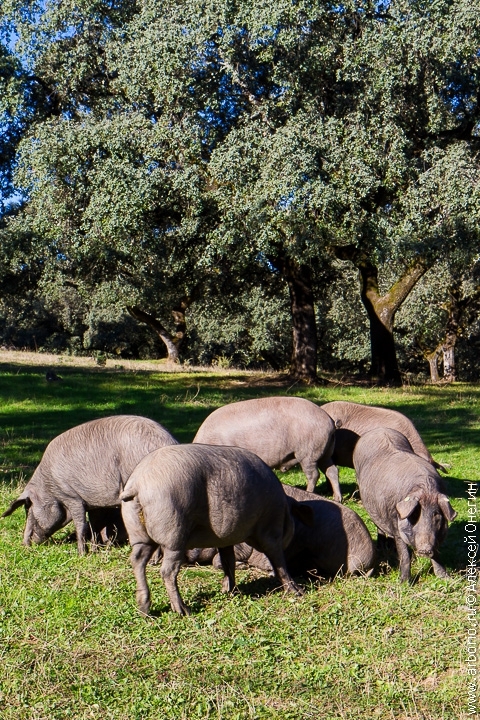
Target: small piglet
point(283, 431)
point(200, 496)
point(403, 494)
point(85, 468)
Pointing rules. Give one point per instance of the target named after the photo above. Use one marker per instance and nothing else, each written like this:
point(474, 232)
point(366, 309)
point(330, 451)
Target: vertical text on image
point(471, 577)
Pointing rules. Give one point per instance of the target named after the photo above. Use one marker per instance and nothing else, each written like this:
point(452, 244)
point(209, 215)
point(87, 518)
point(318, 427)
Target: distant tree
point(449, 297)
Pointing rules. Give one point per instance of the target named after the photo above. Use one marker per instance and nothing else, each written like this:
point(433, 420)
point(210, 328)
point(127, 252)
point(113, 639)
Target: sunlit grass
point(72, 644)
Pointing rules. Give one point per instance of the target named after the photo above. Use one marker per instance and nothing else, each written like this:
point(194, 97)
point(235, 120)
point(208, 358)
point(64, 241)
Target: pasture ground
point(73, 646)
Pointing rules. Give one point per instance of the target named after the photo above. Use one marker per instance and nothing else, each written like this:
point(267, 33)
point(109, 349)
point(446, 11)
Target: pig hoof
point(182, 610)
point(294, 589)
point(227, 585)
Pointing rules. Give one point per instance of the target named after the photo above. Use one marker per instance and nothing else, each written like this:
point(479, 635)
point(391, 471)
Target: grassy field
point(72, 644)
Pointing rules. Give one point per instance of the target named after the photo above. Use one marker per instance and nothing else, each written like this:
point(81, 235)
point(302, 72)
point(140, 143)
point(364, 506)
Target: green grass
point(72, 644)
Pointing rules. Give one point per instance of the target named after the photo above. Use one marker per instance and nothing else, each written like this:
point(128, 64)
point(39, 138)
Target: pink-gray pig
point(337, 543)
point(200, 496)
point(404, 496)
point(353, 420)
point(85, 468)
point(283, 431)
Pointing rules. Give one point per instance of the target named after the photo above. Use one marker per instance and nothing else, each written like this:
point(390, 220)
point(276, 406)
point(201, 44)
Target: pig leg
point(79, 517)
point(288, 464)
point(157, 556)
point(172, 562)
point(139, 557)
point(331, 473)
point(274, 552)
point(438, 568)
point(227, 558)
point(404, 558)
point(310, 469)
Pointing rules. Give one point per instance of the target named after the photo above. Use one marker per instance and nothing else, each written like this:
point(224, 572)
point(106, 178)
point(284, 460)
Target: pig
point(106, 526)
point(195, 496)
point(283, 431)
point(338, 542)
point(85, 468)
point(352, 420)
point(404, 496)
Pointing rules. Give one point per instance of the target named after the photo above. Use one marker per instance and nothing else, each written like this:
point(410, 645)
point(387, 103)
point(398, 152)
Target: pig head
point(423, 517)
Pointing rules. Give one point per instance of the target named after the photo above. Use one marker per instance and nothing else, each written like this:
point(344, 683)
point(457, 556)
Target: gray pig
point(195, 496)
point(85, 467)
point(353, 420)
point(337, 543)
point(403, 494)
point(283, 431)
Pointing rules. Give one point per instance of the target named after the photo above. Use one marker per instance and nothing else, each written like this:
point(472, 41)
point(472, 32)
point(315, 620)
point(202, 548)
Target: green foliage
point(193, 150)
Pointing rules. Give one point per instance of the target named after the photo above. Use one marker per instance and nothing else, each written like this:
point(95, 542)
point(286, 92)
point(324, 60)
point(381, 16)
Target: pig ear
point(302, 512)
point(23, 499)
point(407, 506)
point(446, 508)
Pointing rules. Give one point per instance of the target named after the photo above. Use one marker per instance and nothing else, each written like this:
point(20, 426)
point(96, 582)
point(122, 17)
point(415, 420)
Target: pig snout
point(425, 552)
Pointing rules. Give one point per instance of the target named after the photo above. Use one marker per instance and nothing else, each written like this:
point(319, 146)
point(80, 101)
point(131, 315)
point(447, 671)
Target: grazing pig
point(353, 420)
point(283, 431)
point(403, 494)
point(196, 496)
point(85, 468)
point(338, 542)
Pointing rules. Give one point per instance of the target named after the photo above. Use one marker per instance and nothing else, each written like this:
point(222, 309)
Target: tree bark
point(449, 369)
point(172, 341)
point(461, 312)
point(303, 364)
point(432, 358)
point(456, 313)
point(381, 310)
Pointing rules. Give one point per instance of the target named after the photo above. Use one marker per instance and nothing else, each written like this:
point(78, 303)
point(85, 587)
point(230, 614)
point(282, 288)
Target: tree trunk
point(449, 370)
point(381, 310)
point(461, 312)
point(303, 365)
point(432, 358)
point(172, 342)
point(456, 310)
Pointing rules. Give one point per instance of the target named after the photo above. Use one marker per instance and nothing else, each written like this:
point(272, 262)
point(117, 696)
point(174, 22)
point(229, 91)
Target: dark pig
point(202, 496)
point(283, 431)
point(404, 496)
point(85, 468)
point(353, 420)
point(337, 543)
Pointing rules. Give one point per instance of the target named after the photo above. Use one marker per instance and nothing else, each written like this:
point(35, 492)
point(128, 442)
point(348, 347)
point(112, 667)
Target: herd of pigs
point(217, 499)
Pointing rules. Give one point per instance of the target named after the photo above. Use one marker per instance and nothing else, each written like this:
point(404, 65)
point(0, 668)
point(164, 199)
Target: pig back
point(273, 428)
point(202, 495)
point(94, 460)
point(360, 419)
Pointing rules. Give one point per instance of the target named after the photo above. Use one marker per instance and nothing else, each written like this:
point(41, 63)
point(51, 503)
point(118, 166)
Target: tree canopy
point(176, 153)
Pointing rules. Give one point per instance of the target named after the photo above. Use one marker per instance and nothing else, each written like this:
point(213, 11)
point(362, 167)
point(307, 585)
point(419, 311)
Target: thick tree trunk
point(456, 310)
point(461, 312)
point(381, 311)
point(449, 369)
point(432, 358)
point(303, 365)
point(173, 342)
